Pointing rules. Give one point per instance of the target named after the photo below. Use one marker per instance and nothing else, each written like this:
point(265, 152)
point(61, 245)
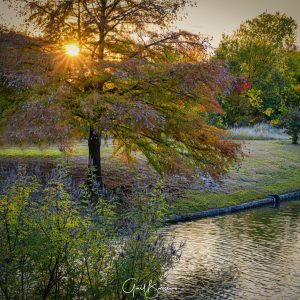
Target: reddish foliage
point(241, 85)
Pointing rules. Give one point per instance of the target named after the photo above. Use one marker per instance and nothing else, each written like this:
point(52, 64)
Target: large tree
point(146, 87)
point(257, 52)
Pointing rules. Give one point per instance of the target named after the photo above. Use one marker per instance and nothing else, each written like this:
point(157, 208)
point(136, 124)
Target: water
point(249, 255)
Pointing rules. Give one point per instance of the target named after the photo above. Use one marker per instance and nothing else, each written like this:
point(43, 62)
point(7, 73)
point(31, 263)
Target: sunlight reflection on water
point(249, 255)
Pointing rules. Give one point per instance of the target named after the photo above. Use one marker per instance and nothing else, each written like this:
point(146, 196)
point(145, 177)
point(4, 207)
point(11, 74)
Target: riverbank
point(269, 167)
point(274, 200)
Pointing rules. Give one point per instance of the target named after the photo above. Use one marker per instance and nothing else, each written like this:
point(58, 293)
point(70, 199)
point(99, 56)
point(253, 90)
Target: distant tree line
point(265, 62)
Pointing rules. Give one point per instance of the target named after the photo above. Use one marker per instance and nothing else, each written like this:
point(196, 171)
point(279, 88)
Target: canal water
point(253, 254)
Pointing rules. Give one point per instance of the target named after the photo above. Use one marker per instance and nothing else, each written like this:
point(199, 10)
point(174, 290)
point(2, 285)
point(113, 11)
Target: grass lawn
point(269, 167)
point(49, 151)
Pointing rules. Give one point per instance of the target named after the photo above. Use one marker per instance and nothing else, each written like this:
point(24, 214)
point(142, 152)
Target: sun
point(72, 49)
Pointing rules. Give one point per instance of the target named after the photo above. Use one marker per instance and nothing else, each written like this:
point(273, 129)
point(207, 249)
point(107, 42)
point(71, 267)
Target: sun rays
point(72, 50)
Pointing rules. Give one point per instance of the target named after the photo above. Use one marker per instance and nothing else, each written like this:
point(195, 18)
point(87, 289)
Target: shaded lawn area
point(41, 161)
point(268, 167)
point(49, 151)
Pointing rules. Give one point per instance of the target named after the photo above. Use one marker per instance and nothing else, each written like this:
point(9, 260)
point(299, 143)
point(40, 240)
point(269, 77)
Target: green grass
point(269, 167)
point(49, 151)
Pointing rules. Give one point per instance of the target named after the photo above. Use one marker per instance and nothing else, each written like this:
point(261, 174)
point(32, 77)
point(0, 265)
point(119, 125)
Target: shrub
point(59, 243)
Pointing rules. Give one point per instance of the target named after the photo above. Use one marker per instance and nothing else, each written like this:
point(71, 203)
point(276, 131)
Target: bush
point(58, 243)
point(292, 124)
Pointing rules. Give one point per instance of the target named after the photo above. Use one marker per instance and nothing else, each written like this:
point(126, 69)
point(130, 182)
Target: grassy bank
point(269, 167)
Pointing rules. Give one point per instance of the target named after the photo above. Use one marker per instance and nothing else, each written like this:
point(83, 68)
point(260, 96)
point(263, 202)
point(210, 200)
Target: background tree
point(135, 81)
point(292, 124)
point(258, 52)
point(293, 63)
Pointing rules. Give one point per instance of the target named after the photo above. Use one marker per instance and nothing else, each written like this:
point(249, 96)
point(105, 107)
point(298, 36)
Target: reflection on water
point(250, 255)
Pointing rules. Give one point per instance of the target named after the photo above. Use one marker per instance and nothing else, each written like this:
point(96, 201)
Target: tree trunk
point(295, 138)
point(95, 138)
point(94, 155)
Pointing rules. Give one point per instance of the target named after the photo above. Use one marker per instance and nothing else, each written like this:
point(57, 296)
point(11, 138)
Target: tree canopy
point(149, 89)
point(257, 51)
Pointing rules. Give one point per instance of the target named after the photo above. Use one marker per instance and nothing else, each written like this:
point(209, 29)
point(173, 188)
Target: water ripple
point(249, 255)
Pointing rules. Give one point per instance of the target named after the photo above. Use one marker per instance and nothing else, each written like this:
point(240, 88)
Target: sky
point(212, 17)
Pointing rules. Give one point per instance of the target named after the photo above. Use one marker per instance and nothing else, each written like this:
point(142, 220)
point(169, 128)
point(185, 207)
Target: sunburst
point(68, 58)
point(72, 50)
